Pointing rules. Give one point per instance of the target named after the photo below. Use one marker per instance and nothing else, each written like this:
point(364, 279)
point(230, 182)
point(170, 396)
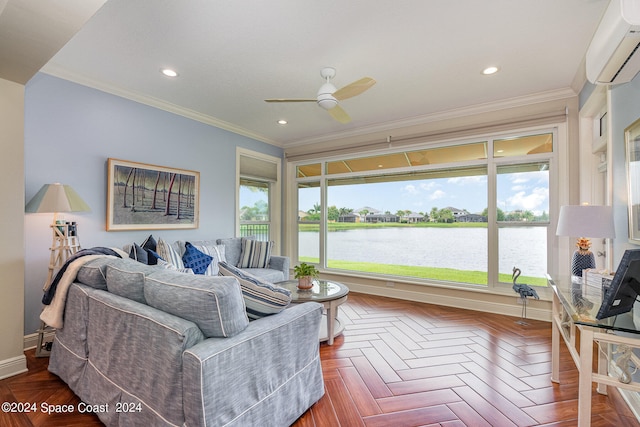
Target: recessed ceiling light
point(169, 72)
point(282, 122)
point(490, 70)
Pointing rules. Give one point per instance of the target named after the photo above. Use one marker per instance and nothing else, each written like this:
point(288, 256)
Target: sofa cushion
point(260, 297)
point(195, 259)
point(255, 254)
point(126, 279)
point(94, 273)
point(215, 304)
point(233, 248)
point(169, 254)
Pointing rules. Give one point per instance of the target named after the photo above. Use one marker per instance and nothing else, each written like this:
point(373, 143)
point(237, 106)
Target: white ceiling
point(426, 55)
point(32, 31)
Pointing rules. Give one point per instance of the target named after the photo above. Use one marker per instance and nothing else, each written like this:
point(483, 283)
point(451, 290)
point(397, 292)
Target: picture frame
point(632, 148)
point(141, 196)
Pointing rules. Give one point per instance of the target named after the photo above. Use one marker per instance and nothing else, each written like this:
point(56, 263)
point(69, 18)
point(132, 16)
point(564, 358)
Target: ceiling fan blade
point(339, 114)
point(289, 100)
point(353, 89)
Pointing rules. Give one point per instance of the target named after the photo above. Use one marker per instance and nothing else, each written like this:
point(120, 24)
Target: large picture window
point(432, 214)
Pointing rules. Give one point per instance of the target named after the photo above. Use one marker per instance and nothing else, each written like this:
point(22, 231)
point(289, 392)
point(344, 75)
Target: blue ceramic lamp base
point(582, 261)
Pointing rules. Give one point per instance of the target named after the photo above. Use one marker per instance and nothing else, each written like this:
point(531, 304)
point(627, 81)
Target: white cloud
point(428, 186)
point(410, 189)
point(438, 194)
point(529, 202)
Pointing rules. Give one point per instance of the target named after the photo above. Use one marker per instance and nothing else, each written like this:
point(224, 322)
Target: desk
point(574, 320)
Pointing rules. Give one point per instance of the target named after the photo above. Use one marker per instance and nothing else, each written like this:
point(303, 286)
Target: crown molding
point(522, 101)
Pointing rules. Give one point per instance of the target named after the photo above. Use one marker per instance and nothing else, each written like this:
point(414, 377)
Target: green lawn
point(445, 274)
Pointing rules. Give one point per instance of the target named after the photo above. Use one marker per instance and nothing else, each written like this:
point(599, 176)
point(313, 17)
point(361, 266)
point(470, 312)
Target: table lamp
point(56, 198)
point(585, 221)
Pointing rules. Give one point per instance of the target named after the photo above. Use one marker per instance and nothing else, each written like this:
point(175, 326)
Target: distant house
point(379, 217)
point(457, 212)
point(350, 217)
point(471, 218)
point(364, 213)
point(368, 209)
point(413, 218)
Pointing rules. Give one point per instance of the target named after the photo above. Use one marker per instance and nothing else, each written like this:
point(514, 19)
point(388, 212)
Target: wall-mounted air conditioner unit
point(614, 53)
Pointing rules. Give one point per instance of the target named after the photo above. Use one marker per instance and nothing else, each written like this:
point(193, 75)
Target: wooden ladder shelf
point(65, 244)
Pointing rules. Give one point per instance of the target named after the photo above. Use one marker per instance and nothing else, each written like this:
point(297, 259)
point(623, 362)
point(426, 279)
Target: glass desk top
point(323, 290)
point(582, 304)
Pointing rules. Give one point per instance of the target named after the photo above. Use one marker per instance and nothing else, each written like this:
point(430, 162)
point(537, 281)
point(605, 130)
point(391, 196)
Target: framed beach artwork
point(149, 197)
point(632, 143)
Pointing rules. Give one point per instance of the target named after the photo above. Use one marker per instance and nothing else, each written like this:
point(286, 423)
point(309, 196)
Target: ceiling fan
point(328, 96)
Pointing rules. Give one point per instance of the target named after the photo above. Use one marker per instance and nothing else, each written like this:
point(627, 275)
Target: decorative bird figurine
point(522, 289)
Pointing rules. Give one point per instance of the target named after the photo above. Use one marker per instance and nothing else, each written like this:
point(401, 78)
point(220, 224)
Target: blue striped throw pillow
point(260, 298)
point(255, 254)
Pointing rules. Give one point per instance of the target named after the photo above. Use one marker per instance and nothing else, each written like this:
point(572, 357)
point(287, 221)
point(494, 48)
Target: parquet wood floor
point(401, 363)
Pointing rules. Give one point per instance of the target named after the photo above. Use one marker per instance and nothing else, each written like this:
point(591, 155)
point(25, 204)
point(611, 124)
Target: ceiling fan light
point(327, 102)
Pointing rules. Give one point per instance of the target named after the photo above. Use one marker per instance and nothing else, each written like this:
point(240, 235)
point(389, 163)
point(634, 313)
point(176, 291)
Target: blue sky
point(524, 190)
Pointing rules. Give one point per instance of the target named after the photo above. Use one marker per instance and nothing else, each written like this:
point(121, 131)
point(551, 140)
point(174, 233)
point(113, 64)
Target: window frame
point(556, 192)
point(275, 190)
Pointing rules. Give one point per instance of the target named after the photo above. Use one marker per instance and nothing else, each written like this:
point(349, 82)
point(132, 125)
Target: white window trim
point(275, 195)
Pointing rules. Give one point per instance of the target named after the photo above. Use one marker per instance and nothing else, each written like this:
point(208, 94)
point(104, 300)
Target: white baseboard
point(30, 341)
point(453, 301)
point(13, 366)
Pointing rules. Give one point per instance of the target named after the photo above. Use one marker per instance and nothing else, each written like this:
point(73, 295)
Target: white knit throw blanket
point(52, 314)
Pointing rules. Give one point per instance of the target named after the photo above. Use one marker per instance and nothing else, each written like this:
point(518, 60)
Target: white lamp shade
point(586, 221)
point(54, 198)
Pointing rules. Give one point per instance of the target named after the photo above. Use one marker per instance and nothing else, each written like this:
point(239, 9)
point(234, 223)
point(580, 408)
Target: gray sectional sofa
point(154, 347)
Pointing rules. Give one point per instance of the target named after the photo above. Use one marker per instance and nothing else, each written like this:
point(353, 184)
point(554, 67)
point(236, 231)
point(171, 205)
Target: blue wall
point(71, 131)
point(625, 109)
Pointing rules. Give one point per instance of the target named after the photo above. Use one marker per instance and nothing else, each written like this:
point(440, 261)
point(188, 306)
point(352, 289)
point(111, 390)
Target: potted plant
point(305, 273)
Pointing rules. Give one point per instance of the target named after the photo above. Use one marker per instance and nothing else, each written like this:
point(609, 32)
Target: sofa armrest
point(233, 381)
point(281, 263)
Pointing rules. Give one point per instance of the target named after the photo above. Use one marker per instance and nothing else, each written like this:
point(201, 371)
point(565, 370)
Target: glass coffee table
point(328, 293)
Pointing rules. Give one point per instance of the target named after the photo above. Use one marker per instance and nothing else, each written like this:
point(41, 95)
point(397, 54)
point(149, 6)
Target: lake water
point(457, 248)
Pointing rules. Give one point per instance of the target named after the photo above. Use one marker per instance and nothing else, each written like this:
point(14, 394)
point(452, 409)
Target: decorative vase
point(305, 282)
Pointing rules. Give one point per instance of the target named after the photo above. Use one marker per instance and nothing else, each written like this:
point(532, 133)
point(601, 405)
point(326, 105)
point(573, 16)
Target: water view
point(454, 248)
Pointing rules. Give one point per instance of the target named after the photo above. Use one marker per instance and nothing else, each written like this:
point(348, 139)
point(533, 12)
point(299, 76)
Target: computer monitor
point(624, 288)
